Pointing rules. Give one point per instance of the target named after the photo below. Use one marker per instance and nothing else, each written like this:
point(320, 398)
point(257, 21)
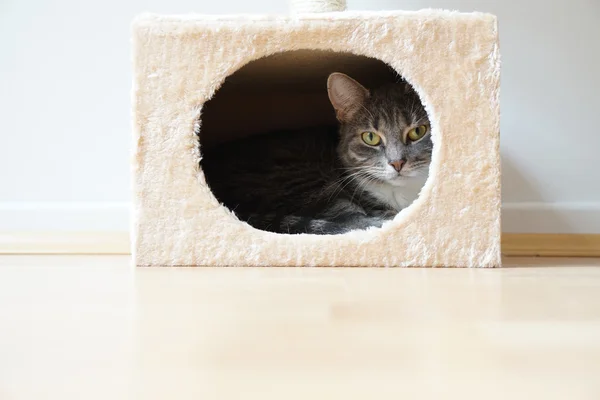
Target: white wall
point(65, 80)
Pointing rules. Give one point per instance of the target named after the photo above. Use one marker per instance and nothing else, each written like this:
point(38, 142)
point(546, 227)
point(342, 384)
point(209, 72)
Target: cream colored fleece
point(452, 59)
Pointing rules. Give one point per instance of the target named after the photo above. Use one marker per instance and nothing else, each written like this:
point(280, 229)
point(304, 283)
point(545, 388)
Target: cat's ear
point(346, 95)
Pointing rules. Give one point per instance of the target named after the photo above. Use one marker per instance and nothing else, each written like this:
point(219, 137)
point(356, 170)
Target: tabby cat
point(329, 180)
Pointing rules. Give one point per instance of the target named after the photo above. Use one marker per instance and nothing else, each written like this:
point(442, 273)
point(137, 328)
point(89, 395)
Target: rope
point(317, 6)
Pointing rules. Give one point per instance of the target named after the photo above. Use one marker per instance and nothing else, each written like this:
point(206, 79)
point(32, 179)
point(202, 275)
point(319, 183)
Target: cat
point(329, 180)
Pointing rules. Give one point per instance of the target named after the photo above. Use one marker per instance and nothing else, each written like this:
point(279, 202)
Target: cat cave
point(202, 80)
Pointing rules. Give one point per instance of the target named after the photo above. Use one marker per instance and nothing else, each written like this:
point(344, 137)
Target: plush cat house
point(201, 80)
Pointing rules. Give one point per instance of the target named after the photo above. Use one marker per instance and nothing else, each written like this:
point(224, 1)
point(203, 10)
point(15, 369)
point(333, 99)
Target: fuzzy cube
point(450, 58)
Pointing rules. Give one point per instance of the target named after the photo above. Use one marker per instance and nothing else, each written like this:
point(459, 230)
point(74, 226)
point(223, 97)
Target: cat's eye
point(417, 133)
point(371, 138)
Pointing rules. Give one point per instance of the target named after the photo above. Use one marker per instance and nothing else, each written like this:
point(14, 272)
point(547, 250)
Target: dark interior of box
point(281, 92)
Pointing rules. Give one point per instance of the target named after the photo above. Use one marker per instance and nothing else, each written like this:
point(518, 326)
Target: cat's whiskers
point(357, 186)
point(362, 184)
point(345, 180)
point(342, 183)
point(365, 186)
point(362, 174)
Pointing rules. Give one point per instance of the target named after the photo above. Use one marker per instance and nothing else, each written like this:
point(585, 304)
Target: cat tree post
point(450, 58)
point(315, 6)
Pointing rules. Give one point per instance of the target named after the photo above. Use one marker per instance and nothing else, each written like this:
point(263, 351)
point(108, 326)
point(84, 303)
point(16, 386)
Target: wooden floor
point(85, 327)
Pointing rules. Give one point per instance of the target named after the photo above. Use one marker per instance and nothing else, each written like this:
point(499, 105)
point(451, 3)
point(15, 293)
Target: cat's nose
point(397, 164)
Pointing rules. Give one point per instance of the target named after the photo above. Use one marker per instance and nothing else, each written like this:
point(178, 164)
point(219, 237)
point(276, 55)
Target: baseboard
point(550, 245)
point(529, 245)
point(101, 228)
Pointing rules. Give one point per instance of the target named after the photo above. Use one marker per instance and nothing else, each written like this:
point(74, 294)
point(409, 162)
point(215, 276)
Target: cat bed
point(182, 62)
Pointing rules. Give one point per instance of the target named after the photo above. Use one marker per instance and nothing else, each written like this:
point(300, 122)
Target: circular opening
point(315, 142)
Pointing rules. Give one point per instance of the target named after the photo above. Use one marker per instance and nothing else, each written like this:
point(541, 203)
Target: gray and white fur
point(329, 180)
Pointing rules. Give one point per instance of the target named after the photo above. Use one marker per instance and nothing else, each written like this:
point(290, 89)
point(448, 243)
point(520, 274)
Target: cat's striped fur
point(327, 180)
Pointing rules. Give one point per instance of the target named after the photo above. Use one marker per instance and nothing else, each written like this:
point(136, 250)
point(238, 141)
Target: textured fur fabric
point(451, 59)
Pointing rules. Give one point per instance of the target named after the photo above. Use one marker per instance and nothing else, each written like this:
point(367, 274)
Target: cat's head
point(384, 133)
